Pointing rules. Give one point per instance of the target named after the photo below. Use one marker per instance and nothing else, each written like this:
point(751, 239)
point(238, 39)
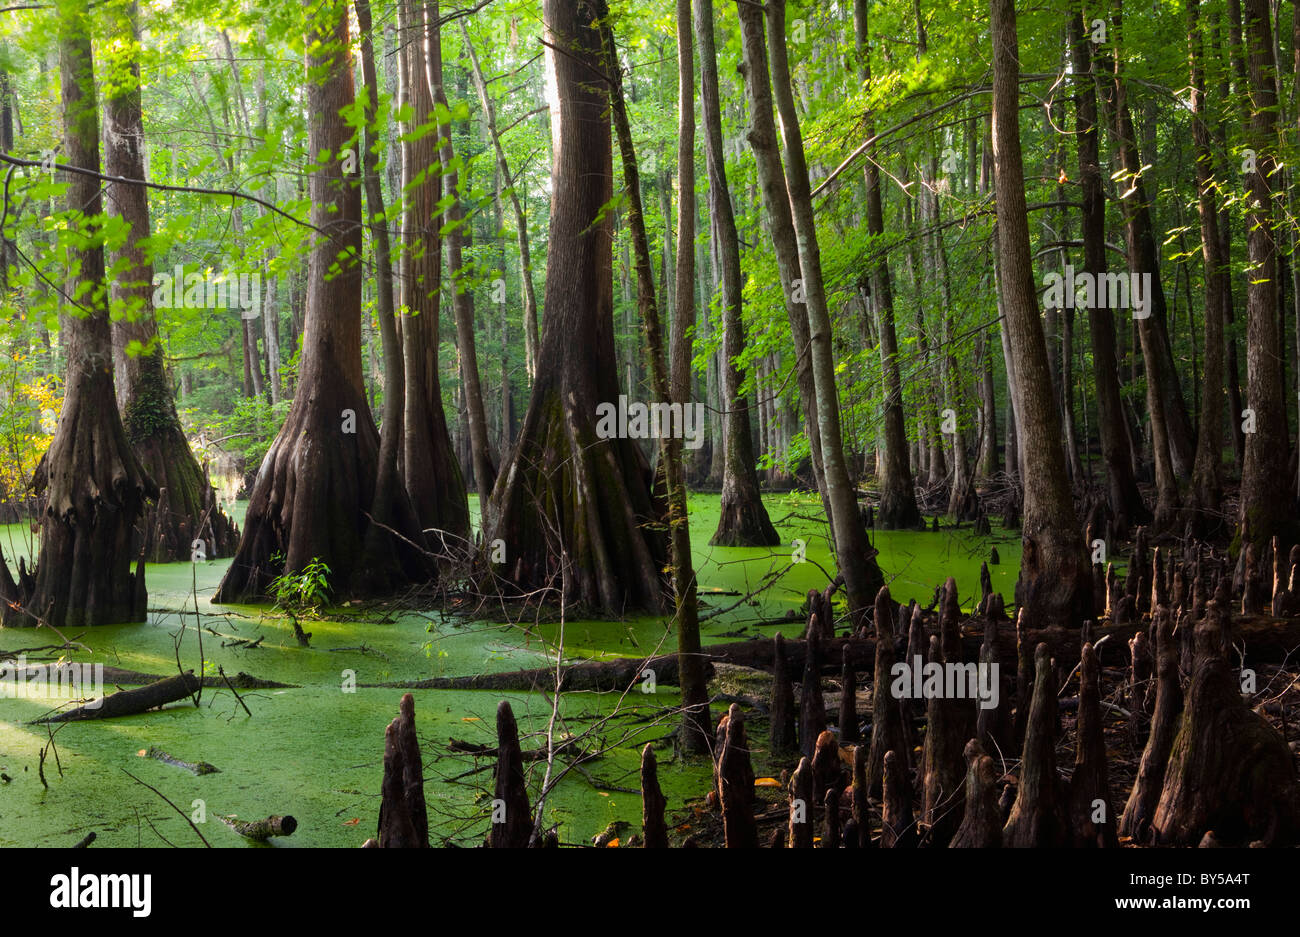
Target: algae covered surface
point(315, 749)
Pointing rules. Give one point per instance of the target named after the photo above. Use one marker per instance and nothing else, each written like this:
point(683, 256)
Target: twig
point(183, 814)
point(221, 670)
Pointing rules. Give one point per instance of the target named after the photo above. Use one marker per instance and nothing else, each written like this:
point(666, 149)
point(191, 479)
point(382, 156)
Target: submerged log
point(1267, 640)
point(131, 702)
point(262, 830)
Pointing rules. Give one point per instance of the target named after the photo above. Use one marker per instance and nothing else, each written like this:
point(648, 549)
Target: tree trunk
point(186, 510)
point(742, 521)
point(521, 222)
point(317, 481)
point(1206, 490)
point(1125, 501)
point(429, 466)
point(575, 508)
point(856, 559)
point(93, 485)
point(1055, 583)
point(1264, 479)
point(462, 288)
point(898, 509)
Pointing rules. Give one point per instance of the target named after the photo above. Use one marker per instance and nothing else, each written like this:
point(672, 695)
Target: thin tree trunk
point(1055, 583)
point(742, 519)
point(462, 289)
point(856, 559)
point(1125, 501)
point(696, 729)
point(898, 508)
point(521, 222)
point(1206, 490)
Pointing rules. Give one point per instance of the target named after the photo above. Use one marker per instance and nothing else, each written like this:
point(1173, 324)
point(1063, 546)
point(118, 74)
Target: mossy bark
point(92, 484)
point(314, 494)
point(576, 512)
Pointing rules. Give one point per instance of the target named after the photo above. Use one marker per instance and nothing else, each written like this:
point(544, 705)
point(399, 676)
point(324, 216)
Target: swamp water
point(316, 752)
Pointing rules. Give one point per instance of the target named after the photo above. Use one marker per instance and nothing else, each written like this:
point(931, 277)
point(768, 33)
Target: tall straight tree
point(462, 289)
point(1144, 257)
point(695, 735)
point(856, 558)
point(1264, 482)
point(186, 509)
point(314, 494)
point(1055, 585)
point(742, 521)
point(783, 235)
point(521, 221)
point(428, 461)
point(1123, 498)
point(898, 508)
point(574, 505)
point(1206, 490)
point(1171, 452)
point(93, 485)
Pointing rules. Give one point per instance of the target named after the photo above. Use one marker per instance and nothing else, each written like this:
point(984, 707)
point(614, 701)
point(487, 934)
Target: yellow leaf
point(766, 782)
point(612, 844)
point(471, 719)
point(353, 822)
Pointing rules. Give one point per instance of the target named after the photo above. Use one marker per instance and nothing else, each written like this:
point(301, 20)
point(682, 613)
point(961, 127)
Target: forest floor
point(315, 751)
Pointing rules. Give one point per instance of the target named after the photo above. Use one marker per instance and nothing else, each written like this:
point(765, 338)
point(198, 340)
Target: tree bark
point(462, 291)
point(186, 509)
point(93, 485)
point(1206, 489)
point(1125, 501)
point(898, 508)
point(1265, 485)
point(856, 558)
point(429, 466)
point(743, 520)
point(521, 221)
point(695, 730)
point(574, 509)
point(317, 481)
point(1055, 583)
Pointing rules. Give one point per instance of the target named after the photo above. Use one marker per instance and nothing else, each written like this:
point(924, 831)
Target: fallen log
point(1267, 640)
point(200, 767)
point(52, 674)
point(131, 702)
point(262, 830)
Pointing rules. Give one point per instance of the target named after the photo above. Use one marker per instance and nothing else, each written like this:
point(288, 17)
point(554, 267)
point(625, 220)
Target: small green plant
point(303, 592)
